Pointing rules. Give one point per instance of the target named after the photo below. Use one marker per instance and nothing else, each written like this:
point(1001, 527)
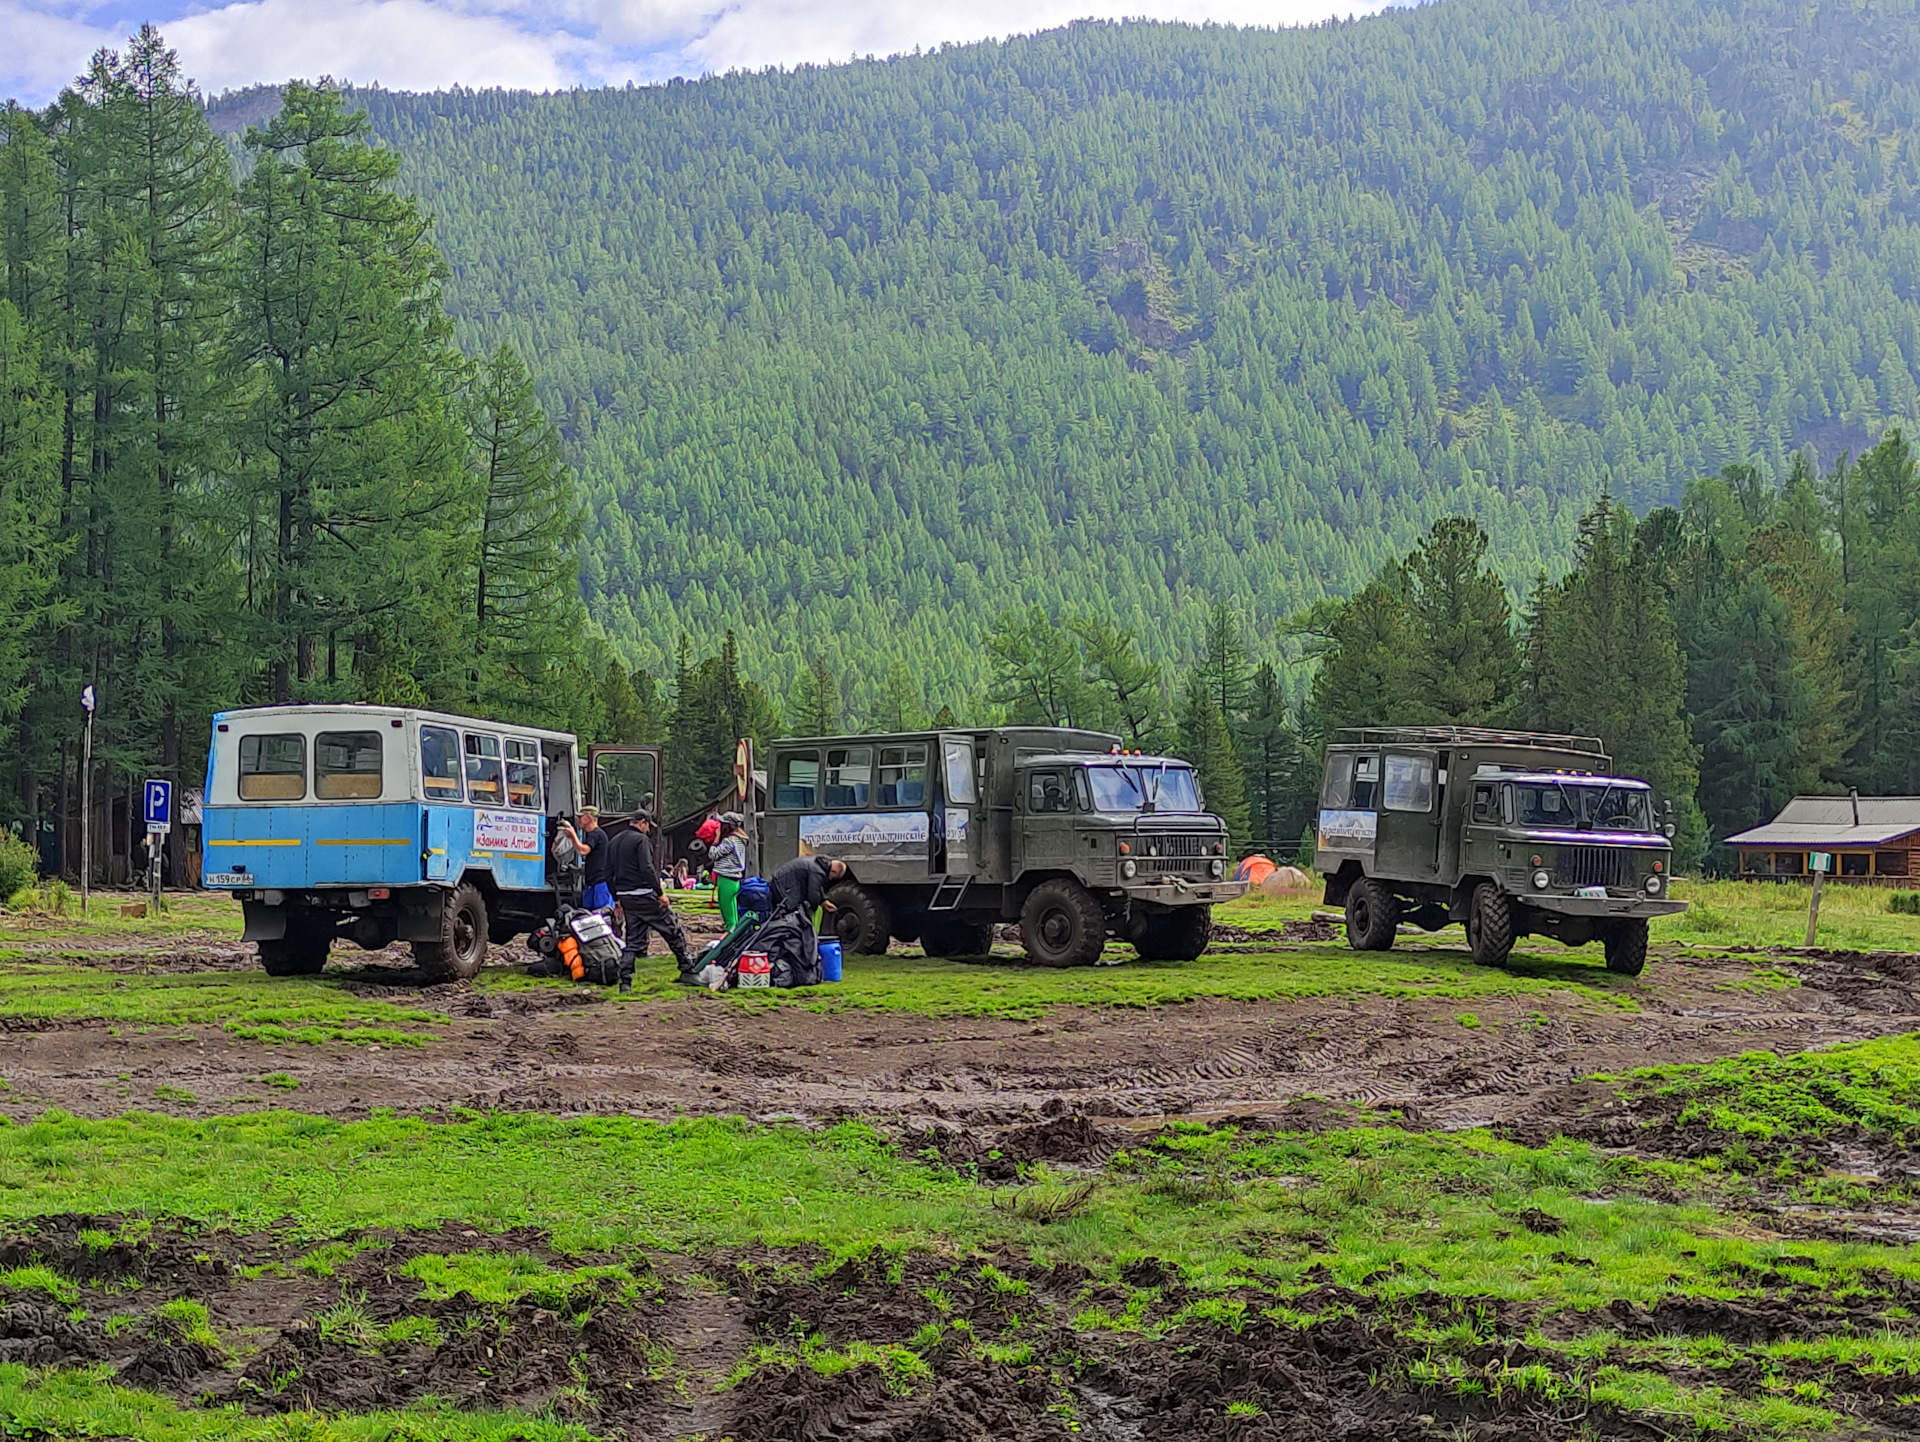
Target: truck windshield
point(1581, 806)
point(1132, 788)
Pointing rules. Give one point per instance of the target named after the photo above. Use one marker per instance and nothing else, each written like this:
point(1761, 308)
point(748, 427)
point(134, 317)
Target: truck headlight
point(1219, 869)
point(1129, 867)
point(1653, 886)
point(1541, 881)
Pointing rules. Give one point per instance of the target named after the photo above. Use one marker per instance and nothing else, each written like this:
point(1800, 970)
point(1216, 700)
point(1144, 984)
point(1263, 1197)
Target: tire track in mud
point(567, 1050)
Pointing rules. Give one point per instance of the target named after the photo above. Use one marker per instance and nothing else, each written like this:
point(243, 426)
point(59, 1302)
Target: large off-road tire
point(955, 936)
point(1062, 925)
point(302, 951)
point(1626, 943)
point(460, 949)
point(1180, 935)
point(1373, 916)
point(860, 919)
point(1490, 925)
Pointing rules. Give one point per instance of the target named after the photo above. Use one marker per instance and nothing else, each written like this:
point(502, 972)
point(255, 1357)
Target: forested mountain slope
point(1134, 317)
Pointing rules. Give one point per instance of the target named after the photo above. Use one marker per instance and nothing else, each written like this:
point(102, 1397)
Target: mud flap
point(263, 922)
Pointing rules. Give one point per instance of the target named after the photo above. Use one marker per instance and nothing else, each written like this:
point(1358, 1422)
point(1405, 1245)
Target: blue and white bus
point(378, 824)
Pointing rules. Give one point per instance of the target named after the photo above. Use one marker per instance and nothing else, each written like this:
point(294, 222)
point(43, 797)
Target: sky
point(547, 44)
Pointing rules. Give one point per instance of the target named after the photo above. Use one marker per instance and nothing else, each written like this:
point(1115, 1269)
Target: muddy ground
point(679, 1350)
point(563, 1049)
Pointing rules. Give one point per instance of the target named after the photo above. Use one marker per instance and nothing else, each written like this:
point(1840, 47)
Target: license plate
point(228, 878)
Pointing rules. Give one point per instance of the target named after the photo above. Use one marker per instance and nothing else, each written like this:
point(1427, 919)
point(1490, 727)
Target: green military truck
point(946, 833)
point(1512, 832)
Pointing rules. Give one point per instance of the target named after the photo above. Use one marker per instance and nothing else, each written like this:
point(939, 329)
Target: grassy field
point(1704, 1251)
point(1470, 1241)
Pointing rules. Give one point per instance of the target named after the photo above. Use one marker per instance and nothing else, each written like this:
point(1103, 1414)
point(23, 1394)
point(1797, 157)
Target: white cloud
point(402, 44)
point(548, 44)
point(42, 51)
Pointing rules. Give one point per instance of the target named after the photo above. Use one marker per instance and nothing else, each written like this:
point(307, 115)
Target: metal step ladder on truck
point(1514, 833)
point(947, 833)
point(382, 824)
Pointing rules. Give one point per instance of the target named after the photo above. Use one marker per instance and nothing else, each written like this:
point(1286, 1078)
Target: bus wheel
point(956, 936)
point(860, 919)
point(460, 950)
point(302, 951)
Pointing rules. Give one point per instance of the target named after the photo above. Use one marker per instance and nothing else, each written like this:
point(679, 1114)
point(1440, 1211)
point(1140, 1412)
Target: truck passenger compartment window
point(1486, 805)
point(346, 765)
point(797, 781)
point(523, 775)
point(959, 756)
point(484, 786)
point(1046, 793)
point(1081, 792)
point(1409, 783)
point(903, 775)
point(849, 775)
point(1337, 792)
point(1366, 784)
point(273, 768)
point(439, 763)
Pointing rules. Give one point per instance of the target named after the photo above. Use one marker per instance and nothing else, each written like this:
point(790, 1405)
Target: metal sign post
point(87, 704)
point(1819, 863)
point(159, 813)
point(743, 791)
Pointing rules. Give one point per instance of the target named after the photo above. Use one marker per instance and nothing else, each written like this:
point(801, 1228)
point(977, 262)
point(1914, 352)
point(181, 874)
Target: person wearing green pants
point(729, 861)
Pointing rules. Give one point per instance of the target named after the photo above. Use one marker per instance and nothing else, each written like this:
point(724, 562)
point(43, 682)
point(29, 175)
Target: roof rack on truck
point(1464, 736)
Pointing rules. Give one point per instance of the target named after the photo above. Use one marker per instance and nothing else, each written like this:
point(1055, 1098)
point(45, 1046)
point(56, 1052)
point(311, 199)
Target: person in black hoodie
point(635, 877)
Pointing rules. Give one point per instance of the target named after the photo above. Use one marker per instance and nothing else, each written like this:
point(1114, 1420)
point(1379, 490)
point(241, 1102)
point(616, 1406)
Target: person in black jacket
point(801, 885)
point(635, 878)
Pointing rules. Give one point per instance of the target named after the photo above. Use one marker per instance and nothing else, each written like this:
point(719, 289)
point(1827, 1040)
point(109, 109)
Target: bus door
point(624, 779)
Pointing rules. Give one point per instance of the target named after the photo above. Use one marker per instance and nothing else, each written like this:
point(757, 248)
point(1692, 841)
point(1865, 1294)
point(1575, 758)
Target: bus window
point(796, 782)
point(903, 775)
point(273, 768)
point(346, 765)
point(849, 775)
point(439, 763)
point(523, 774)
point(484, 786)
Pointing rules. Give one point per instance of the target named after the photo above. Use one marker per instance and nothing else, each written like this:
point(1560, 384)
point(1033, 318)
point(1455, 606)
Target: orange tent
point(1254, 870)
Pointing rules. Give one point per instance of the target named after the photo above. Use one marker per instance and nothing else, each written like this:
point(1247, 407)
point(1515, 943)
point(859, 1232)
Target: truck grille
point(1594, 866)
point(1178, 855)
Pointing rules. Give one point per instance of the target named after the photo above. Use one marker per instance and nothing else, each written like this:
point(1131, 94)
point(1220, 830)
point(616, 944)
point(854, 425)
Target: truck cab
point(1512, 833)
point(947, 833)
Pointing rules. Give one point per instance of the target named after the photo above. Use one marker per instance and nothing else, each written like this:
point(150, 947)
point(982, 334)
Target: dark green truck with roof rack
point(1514, 833)
point(946, 833)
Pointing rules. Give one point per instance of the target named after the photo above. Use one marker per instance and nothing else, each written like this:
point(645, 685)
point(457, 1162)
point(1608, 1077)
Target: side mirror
point(1668, 829)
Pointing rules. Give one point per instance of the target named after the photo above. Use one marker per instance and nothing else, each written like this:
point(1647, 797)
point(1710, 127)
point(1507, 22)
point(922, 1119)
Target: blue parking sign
point(159, 803)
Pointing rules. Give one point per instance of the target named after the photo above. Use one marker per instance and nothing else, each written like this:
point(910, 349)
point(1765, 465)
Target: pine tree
point(1223, 664)
point(1038, 672)
point(815, 703)
point(1364, 647)
point(900, 706)
point(527, 615)
point(1751, 701)
point(365, 501)
point(29, 490)
point(1280, 769)
point(629, 707)
point(1129, 688)
point(1464, 663)
point(1607, 663)
point(1206, 742)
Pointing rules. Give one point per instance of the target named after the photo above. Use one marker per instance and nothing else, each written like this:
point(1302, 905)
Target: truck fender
point(1339, 882)
point(1462, 900)
point(263, 922)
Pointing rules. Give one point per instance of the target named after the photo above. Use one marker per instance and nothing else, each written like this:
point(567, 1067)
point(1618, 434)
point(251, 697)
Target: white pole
point(86, 815)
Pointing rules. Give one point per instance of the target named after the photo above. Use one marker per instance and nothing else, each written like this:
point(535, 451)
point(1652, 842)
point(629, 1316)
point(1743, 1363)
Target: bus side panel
point(509, 843)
